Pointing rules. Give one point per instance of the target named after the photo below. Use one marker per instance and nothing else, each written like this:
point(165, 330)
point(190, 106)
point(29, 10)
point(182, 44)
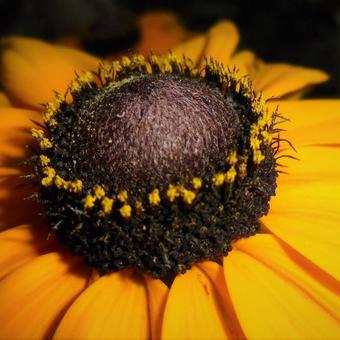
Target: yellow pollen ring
point(89, 201)
point(196, 183)
point(172, 193)
point(107, 204)
point(154, 198)
point(218, 179)
point(99, 191)
point(122, 196)
point(188, 196)
point(125, 211)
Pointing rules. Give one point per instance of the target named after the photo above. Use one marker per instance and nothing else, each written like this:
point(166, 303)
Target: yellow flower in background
point(280, 283)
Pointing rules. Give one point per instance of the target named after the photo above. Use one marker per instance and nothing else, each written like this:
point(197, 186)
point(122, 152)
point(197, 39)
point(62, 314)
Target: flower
point(280, 283)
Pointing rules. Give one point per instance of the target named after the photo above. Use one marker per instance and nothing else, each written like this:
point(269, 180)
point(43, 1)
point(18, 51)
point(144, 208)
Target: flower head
point(161, 169)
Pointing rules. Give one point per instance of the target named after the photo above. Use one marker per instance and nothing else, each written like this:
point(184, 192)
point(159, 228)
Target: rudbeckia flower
point(165, 199)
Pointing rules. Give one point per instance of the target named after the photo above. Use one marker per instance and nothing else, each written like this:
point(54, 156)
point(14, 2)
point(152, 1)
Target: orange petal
point(14, 136)
point(311, 121)
point(35, 296)
point(113, 307)
point(4, 101)
point(276, 80)
point(244, 61)
point(266, 249)
point(192, 49)
point(160, 31)
point(192, 310)
point(269, 306)
point(307, 217)
point(157, 295)
point(31, 69)
point(222, 40)
point(21, 244)
point(314, 164)
point(216, 274)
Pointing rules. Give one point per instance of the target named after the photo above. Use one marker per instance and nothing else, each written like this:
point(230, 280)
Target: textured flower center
point(151, 131)
point(156, 165)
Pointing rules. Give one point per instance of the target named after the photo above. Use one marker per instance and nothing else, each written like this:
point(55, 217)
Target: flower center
point(152, 130)
point(156, 165)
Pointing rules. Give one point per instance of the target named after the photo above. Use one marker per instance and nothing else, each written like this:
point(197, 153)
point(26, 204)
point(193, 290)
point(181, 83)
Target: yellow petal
point(159, 31)
point(244, 62)
point(35, 296)
point(21, 244)
point(307, 217)
point(192, 310)
point(267, 249)
point(314, 164)
point(192, 49)
point(4, 101)
point(113, 307)
point(277, 80)
point(14, 133)
point(157, 295)
point(32, 69)
point(215, 273)
point(14, 136)
point(222, 40)
point(269, 306)
point(311, 121)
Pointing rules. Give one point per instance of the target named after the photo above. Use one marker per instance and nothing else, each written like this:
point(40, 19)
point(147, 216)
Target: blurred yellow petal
point(192, 310)
point(35, 296)
point(192, 49)
point(269, 306)
point(113, 307)
point(14, 132)
point(14, 136)
point(311, 121)
point(21, 244)
point(4, 101)
point(244, 62)
point(222, 40)
point(160, 31)
point(31, 69)
point(307, 217)
point(266, 249)
point(157, 295)
point(277, 80)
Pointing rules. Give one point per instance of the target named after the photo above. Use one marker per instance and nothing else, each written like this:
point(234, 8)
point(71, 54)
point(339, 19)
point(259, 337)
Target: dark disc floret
point(156, 165)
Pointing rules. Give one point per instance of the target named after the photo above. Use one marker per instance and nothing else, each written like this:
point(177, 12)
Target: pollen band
point(156, 165)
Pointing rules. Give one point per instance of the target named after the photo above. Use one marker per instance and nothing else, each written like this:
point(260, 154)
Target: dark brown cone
point(155, 130)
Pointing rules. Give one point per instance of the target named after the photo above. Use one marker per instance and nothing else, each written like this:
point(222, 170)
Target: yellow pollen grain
point(232, 158)
point(89, 201)
point(44, 160)
point(126, 61)
point(50, 173)
point(75, 186)
point(196, 183)
point(218, 179)
point(107, 204)
point(172, 193)
point(188, 196)
point(154, 198)
point(122, 196)
point(231, 175)
point(125, 211)
point(59, 182)
point(258, 157)
point(99, 191)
